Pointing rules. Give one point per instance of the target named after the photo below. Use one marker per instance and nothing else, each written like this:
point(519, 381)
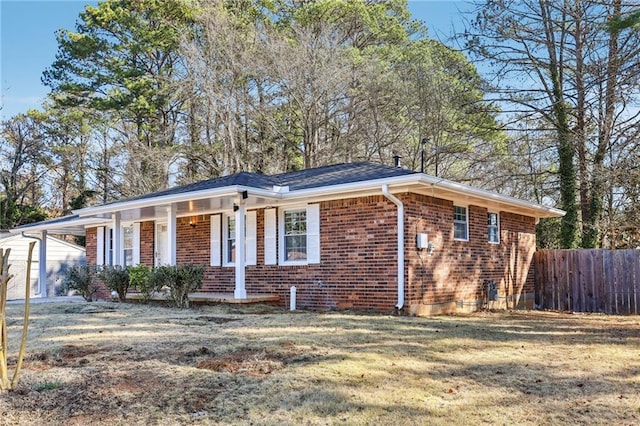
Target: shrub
point(140, 279)
point(80, 279)
point(180, 280)
point(115, 278)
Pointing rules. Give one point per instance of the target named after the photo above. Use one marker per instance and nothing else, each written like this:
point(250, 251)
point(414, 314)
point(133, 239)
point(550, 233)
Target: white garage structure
point(59, 255)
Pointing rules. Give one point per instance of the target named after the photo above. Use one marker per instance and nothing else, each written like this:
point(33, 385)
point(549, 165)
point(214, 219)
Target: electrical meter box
point(422, 241)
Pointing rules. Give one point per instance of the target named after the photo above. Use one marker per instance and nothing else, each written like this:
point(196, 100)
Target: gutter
point(397, 202)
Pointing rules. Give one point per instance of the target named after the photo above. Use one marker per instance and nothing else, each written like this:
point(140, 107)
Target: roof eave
point(333, 191)
point(542, 211)
point(71, 227)
point(174, 198)
point(398, 182)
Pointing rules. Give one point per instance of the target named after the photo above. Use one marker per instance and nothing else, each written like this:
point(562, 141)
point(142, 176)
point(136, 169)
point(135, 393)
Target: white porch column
point(171, 234)
point(117, 240)
point(240, 290)
point(42, 265)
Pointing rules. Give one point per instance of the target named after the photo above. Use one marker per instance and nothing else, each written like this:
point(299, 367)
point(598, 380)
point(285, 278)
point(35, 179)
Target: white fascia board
point(426, 181)
point(173, 198)
point(490, 196)
point(44, 226)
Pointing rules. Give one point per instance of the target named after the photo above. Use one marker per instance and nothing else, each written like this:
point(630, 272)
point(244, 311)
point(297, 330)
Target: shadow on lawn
point(236, 366)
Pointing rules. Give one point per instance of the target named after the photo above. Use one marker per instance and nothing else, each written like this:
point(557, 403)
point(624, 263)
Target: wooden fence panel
point(609, 282)
point(599, 293)
point(588, 280)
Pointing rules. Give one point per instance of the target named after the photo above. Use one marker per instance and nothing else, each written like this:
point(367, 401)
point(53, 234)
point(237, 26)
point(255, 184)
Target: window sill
point(293, 263)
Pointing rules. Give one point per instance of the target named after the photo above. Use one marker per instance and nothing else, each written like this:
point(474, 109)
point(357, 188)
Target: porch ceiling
point(191, 207)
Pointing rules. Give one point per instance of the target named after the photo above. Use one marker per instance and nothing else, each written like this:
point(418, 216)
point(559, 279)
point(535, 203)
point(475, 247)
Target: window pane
point(295, 222)
point(127, 242)
point(460, 223)
point(109, 250)
point(231, 227)
point(295, 235)
point(493, 234)
point(231, 251)
point(492, 221)
point(128, 257)
point(231, 239)
point(460, 231)
point(296, 247)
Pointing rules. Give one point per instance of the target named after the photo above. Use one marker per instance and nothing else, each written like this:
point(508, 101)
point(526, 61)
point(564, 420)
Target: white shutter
point(270, 253)
point(136, 244)
point(100, 246)
point(250, 230)
point(313, 233)
point(215, 240)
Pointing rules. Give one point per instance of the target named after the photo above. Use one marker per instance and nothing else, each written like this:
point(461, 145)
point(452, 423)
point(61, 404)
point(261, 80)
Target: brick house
point(356, 236)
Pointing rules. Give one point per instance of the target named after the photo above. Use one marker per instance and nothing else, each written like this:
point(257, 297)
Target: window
point(129, 253)
point(460, 223)
point(127, 245)
point(108, 249)
point(223, 239)
point(493, 227)
point(295, 235)
point(230, 239)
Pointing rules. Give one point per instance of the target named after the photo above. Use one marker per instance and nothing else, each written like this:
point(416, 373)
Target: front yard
point(110, 363)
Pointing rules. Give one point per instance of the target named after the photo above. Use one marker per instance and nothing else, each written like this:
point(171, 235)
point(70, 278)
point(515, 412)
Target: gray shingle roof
point(303, 179)
point(338, 174)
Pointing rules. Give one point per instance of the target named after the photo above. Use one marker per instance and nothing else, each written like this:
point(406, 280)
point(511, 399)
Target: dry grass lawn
point(125, 364)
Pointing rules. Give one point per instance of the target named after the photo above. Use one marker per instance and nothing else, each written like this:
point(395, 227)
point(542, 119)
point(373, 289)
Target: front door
point(162, 244)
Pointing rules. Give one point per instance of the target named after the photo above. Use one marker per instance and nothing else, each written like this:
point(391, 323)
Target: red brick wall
point(91, 253)
point(147, 243)
point(357, 244)
point(358, 268)
point(457, 269)
point(192, 246)
point(91, 250)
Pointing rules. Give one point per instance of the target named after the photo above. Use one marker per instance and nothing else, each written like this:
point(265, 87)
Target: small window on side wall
point(493, 227)
point(460, 223)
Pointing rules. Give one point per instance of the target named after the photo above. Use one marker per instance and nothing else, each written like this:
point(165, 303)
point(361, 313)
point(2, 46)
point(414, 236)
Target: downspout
point(42, 277)
point(397, 202)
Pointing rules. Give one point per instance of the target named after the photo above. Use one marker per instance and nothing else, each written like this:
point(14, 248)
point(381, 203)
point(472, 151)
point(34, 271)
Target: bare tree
point(556, 61)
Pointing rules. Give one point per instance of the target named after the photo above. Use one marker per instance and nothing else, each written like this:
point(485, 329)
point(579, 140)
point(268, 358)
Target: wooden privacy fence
point(595, 280)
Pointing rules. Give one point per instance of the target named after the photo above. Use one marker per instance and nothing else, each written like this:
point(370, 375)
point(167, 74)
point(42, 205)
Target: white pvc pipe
point(397, 202)
point(292, 299)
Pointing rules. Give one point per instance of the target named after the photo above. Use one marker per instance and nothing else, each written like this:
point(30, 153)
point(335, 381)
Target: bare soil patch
point(128, 364)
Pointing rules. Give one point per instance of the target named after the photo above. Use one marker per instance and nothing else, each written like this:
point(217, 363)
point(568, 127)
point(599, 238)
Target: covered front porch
point(118, 240)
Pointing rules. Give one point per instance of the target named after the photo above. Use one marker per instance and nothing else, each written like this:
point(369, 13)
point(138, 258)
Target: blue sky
point(28, 44)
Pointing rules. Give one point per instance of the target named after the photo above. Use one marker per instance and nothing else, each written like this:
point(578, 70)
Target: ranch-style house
point(358, 236)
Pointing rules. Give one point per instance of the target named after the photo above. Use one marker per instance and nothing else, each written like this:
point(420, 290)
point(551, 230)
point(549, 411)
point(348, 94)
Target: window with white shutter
point(299, 235)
